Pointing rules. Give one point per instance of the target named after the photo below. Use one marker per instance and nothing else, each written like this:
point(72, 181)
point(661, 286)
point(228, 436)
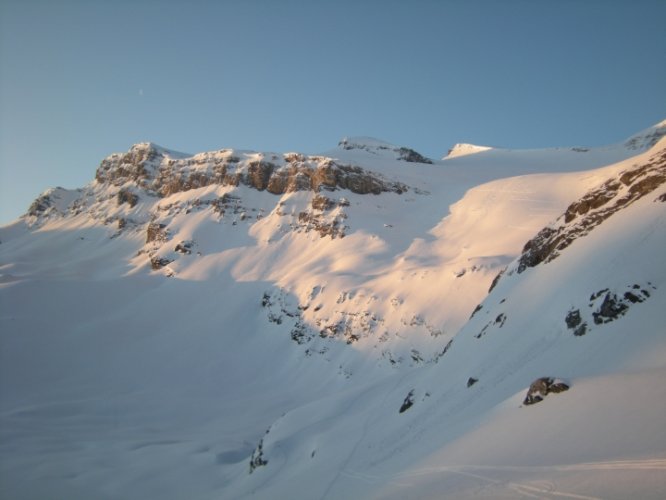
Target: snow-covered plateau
point(363, 323)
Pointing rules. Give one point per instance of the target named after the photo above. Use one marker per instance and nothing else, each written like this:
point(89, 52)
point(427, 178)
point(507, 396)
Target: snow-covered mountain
point(363, 323)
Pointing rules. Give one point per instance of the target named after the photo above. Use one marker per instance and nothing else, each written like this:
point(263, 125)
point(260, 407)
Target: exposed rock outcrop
point(574, 322)
point(408, 402)
point(164, 172)
point(136, 165)
point(376, 146)
point(41, 204)
point(606, 306)
point(184, 247)
point(159, 262)
point(541, 387)
point(647, 138)
point(257, 459)
point(53, 201)
point(127, 196)
point(156, 232)
point(585, 214)
point(325, 226)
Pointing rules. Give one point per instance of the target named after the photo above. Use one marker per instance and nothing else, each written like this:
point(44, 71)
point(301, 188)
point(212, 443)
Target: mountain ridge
point(246, 340)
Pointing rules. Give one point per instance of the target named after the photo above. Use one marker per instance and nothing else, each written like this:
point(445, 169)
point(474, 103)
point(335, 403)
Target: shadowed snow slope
point(237, 324)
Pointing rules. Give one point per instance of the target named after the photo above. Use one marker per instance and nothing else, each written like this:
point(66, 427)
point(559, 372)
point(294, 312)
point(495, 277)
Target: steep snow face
point(174, 321)
point(595, 207)
point(448, 430)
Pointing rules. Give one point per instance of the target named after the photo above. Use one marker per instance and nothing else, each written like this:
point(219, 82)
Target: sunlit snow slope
point(236, 324)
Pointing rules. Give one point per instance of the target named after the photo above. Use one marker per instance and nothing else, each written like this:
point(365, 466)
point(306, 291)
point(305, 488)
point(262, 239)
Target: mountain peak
point(365, 143)
point(379, 147)
point(153, 149)
point(463, 149)
point(647, 138)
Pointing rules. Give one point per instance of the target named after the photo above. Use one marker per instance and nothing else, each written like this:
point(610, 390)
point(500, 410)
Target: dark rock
point(444, 351)
point(351, 338)
point(496, 280)
point(275, 318)
point(257, 459)
point(156, 232)
point(159, 262)
point(598, 294)
point(131, 166)
point(126, 196)
point(258, 174)
point(184, 247)
point(483, 331)
point(580, 330)
point(611, 308)
point(317, 222)
point(634, 299)
point(300, 333)
point(646, 141)
point(409, 155)
point(476, 310)
point(42, 203)
point(278, 183)
point(595, 207)
point(320, 202)
point(592, 200)
point(541, 387)
point(573, 319)
point(538, 249)
point(408, 402)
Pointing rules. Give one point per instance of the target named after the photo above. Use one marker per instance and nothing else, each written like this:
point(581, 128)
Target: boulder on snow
point(159, 262)
point(184, 247)
point(543, 386)
point(408, 402)
point(575, 322)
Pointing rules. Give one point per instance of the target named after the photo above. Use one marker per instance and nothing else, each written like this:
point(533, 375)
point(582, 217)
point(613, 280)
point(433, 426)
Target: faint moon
point(141, 92)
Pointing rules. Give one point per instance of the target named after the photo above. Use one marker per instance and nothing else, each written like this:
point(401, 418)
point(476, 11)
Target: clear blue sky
point(82, 79)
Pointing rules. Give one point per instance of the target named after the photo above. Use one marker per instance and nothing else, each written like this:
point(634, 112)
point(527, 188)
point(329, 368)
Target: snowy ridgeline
point(237, 324)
